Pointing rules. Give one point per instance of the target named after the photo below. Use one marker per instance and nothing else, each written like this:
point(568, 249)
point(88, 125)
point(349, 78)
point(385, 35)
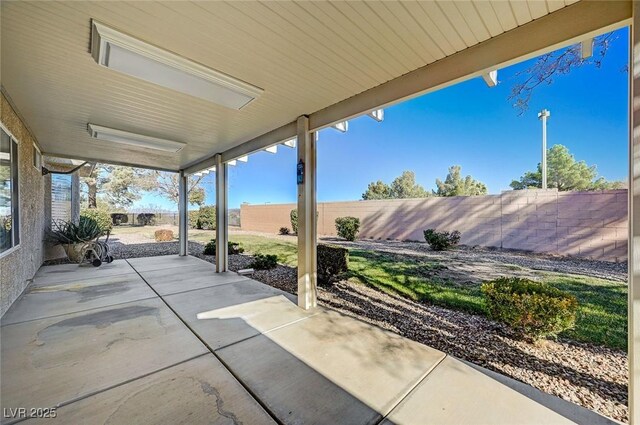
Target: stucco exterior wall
point(18, 266)
point(583, 224)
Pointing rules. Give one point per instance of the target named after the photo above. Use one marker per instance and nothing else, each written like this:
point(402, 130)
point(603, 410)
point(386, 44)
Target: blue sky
point(467, 124)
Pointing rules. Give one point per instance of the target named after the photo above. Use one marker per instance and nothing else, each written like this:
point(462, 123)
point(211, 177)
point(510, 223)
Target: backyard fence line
point(582, 224)
point(141, 218)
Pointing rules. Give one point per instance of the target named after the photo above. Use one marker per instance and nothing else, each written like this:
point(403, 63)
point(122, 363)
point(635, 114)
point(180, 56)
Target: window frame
point(15, 142)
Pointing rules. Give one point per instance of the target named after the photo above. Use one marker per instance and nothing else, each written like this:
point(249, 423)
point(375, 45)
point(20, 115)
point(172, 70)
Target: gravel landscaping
point(589, 375)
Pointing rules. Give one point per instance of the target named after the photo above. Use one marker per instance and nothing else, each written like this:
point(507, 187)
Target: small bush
point(441, 241)
point(193, 219)
point(146, 219)
point(206, 218)
point(333, 263)
point(284, 231)
point(232, 247)
point(163, 235)
point(293, 215)
point(535, 310)
point(264, 262)
point(119, 218)
point(348, 227)
point(101, 217)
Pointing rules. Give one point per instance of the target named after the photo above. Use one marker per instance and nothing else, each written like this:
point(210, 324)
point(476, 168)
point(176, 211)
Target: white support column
point(183, 213)
point(634, 220)
point(307, 223)
point(222, 230)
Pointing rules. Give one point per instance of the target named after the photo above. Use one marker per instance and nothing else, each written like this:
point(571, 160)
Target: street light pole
point(543, 115)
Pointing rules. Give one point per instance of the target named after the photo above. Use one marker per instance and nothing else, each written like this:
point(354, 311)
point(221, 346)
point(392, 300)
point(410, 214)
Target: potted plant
point(73, 236)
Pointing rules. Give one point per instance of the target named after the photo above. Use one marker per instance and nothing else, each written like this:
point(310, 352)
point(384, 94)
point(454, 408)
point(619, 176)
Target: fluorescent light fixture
point(233, 162)
point(291, 143)
point(244, 158)
point(491, 78)
point(341, 126)
point(377, 114)
point(272, 149)
point(123, 53)
point(132, 139)
point(586, 48)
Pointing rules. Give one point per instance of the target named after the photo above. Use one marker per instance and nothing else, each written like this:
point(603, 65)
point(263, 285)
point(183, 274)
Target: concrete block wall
point(583, 224)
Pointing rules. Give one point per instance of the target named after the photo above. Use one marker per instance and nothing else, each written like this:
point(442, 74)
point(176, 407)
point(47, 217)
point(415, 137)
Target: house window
point(9, 217)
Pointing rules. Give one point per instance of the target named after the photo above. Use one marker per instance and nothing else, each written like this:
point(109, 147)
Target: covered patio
point(168, 340)
point(192, 87)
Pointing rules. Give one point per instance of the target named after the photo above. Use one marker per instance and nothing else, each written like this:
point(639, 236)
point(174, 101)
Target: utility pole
point(543, 115)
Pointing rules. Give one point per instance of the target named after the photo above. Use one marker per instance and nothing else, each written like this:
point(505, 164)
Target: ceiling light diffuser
point(132, 139)
point(128, 55)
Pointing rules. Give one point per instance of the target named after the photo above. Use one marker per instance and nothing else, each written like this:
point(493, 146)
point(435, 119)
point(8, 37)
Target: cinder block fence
point(582, 224)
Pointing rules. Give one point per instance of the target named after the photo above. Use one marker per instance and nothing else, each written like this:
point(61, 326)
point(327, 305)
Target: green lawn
point(602, 313)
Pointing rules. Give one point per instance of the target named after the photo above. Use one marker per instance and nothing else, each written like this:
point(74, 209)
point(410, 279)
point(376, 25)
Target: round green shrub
point(206, 218)
point(441, 241)
point(535, 310)
point(101, 217)
point(264, 262)
point(232, 247)
point(348, 227)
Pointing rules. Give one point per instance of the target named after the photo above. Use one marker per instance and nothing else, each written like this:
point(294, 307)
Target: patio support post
point(75, 197)
point(183, 212)
point(634, 220)
point(222, 230)
point(307, 223)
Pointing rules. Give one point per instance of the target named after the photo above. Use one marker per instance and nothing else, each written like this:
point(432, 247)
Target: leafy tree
point(551, 65)
point(377, 190)
point(455, 185)
point(565, 173)
point(119, 186)
point(404, 186)
point(167, 185)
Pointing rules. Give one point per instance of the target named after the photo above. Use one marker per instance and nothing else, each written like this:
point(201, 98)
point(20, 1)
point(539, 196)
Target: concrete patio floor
point(166, 340)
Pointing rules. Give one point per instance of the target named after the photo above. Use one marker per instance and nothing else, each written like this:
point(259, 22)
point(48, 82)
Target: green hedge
point(264, 262)
point(233, 248)
point(333, 263)
point(103, 218)
point(348, 227)
point(293, 215)
point(535, 310)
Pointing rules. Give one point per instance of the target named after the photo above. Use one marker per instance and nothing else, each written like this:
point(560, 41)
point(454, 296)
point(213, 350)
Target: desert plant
point(163, 235)
point(146, 219)
point(293, 215)
point(535, 310)
point(68, 232)
point(264, 262)
point(101, 217)
point(206, 218)
point(441, 241)
point(284, 231)
point(348, 227)
point(333, 263)
point(232, 247)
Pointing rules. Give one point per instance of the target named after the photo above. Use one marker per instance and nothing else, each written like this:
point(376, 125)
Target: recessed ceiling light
point(131, 56)
point(132, 139)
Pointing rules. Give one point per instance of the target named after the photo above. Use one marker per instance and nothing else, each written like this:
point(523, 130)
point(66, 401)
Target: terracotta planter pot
point(74, 251)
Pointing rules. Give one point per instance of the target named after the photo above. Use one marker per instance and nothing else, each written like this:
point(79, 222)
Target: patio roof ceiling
point(306, 56)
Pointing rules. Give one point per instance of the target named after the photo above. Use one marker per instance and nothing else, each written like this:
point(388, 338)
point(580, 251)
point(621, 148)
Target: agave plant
point(67, 232)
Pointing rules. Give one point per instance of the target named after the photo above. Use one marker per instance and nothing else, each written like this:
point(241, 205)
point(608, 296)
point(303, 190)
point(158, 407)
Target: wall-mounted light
point(129, 55)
